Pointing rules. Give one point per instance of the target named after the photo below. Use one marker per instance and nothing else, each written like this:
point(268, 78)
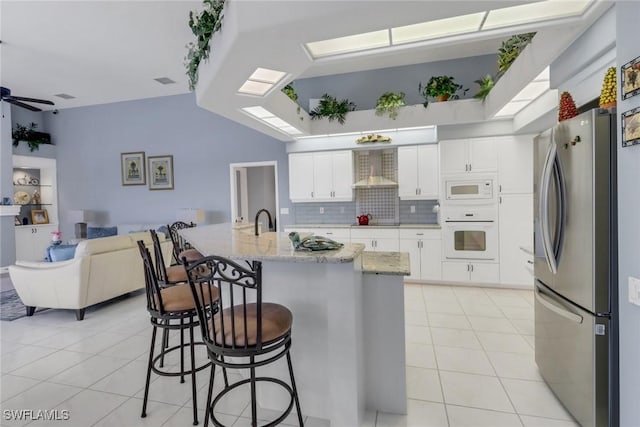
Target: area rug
point(11, 307)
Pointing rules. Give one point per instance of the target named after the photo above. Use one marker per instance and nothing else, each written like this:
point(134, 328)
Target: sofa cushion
point(97, 232)
point(105, 244)
point(56, 253)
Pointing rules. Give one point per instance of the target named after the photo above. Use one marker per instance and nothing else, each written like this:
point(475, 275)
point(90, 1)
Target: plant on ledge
point(29, 134)
point(332, 109)
point(291, 93)
point(510, 50)
point(203, 26)
point(486, 84)
point(390, 102)
point(441, 88)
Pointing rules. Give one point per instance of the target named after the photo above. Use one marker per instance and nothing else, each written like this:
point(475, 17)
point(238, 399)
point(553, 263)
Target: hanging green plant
point(486, 84)
point(30, 136)
point(332, 109)
point(390, 102)
point(290, 92)
point(510, 49)
point(203, 26)
point(442, 88)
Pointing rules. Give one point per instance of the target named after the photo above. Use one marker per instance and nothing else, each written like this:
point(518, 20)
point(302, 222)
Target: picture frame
point(39, 216)
point(160, 172)
point(630, 127)
point(132, 167)
point(630, 78)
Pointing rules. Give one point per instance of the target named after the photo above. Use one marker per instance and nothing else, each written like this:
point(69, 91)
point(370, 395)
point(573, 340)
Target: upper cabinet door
point(453, 156)
point(301, 177)
point(323, 175)
point(343, 175)
point(483, 155)
point(428, 171)
point(515, 165)
point(407, 172)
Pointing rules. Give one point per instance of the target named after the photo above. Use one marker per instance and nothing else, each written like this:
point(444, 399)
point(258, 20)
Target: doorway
point(254, 186)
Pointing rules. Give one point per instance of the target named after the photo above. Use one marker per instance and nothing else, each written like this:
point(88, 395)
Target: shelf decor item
point(486, 84)
point(39, 216)
point(132, 168)
point(510, 49)
point(631, 127)
point(609, 92)
point(332, 109)
point(390, 102)
point(630, 76)
point(371, 138)
point(30, 136)
point(442, 88)
point(203, 26)
point(56, 237)
point(567, 108)
point(161, 172)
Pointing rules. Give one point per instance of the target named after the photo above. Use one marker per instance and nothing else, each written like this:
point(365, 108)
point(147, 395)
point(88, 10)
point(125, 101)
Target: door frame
point(232, 184)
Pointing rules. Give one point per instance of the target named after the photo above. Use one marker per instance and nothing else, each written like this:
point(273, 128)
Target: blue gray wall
point(627, 18)
point(89, 141)
point(364, 88)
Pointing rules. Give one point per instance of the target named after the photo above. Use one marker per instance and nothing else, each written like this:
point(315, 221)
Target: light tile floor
point(470, 362)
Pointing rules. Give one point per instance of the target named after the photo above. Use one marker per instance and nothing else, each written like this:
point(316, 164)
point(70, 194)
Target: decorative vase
point(56, 237)
point(442, 98)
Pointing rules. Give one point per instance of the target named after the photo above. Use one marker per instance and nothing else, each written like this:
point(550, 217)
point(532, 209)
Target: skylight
point(439, 28)
point(261, 81)
point(534, 12)
point(354, 43)
point(267, 117)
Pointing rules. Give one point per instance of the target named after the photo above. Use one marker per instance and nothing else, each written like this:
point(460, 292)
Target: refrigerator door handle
point(562, 209)
point(545, 181)
point(548, 303)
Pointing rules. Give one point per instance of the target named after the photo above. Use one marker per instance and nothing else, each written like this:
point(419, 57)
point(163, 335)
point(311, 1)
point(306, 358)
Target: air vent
point(64, 96)
point(164, 80)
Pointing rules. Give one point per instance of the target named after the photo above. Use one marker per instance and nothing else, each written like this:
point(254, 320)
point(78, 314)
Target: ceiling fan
point(5, 95)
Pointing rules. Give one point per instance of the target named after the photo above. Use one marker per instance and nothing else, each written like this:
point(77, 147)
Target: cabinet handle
point(500, 198)
point(468, 269)
point(466, 168)
point(312, 194)
point(470, 171)
point(529, 262)
point(500, 188)
point(34, 230)
point(419, 190)
point(471, 267)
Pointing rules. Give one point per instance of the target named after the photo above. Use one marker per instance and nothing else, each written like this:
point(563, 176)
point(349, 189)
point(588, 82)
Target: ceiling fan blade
point(21, 104)
point(39, 101)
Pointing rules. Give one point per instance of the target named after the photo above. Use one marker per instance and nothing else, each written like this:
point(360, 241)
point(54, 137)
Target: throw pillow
point(97, 232)
point(61, 252)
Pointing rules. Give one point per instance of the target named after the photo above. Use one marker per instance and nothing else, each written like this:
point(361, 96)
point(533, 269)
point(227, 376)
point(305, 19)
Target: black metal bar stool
point(173, 308)
point(244, 329)
point(181, 248)
point(167, 276)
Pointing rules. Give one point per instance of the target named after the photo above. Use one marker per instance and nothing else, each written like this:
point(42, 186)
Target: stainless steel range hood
point(375, 178)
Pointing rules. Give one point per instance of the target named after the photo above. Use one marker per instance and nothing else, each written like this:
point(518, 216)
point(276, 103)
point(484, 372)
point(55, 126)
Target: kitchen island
point(348, 346)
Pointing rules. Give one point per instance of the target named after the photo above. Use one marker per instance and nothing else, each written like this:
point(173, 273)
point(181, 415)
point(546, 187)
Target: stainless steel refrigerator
point(576, 265)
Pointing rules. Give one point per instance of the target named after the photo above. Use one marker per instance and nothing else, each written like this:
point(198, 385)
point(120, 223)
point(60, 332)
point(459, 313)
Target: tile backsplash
point(423, 212)
point(334, 213)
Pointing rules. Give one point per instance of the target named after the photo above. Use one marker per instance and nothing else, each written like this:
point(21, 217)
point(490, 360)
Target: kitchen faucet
point(270, 220)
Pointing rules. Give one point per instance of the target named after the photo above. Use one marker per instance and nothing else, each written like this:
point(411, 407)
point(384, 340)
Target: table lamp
point(79, 217)
point(191, 215)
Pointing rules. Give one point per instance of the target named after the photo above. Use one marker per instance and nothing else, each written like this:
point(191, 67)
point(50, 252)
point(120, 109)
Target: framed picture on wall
point(631, 127)
point(161, 172)
point(132, 168)
point(39, 216)
point(630, 76)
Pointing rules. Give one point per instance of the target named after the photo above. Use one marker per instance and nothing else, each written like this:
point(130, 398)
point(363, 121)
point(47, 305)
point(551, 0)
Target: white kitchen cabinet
point(377, 239)
point(32, 241)
point(418, 172)
point(321, 177)
point(301, 177)
point(468, 155)
point(470, 272)
point(425, 253)
point(515, 164)
point(515, 227)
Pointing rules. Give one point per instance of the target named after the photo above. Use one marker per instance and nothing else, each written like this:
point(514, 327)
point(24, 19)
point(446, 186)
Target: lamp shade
point(190, 215)
point(78, 215)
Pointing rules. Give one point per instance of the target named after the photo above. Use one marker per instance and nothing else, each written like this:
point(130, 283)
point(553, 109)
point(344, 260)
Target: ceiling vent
point(164, 80)
point(64, 96)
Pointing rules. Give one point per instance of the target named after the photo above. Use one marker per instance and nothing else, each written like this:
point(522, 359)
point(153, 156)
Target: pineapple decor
point(567, 107)
point(609, 92)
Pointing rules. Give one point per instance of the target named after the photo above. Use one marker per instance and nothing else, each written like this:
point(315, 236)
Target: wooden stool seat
point(276, 323)
point(190, 254)
point(179, 298)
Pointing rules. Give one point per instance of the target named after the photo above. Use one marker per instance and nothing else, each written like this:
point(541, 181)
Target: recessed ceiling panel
point(354, 43)
point(267, 75)
point(534, 12)
point(255, 88)
point(259, 112)
point(434, 29)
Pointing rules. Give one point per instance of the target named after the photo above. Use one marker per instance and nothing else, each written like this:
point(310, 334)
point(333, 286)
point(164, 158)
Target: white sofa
point(101, 269)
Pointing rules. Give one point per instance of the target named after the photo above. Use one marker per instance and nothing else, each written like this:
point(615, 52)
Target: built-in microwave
point(464, 190)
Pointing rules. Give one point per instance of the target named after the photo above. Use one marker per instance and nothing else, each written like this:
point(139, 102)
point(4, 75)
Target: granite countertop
point(226, 241)
point(427, 226)
point(390, 263)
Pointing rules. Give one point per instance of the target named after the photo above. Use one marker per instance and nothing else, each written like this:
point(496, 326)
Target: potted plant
point(486, 84)
point(30, 135)
point(510, 49)
point(390, 102)
point(291, 93)
point(442, 88)
point(332, 109)
point(203, 26)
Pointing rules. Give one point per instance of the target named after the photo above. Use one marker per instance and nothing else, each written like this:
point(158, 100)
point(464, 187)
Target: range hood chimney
point(375, 178)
